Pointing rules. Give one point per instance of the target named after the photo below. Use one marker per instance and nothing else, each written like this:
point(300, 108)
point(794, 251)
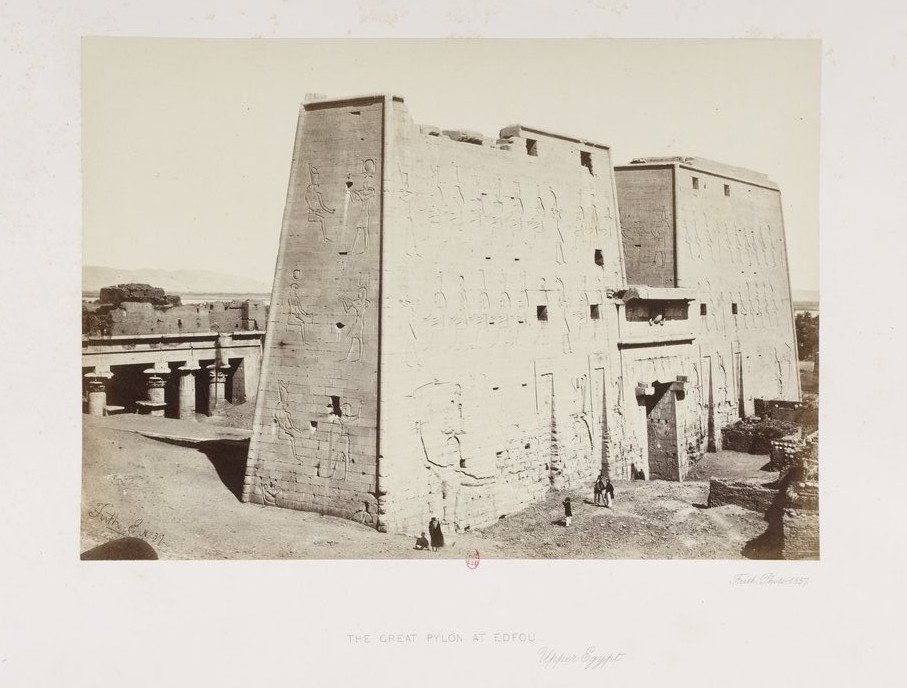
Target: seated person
point(421, 542)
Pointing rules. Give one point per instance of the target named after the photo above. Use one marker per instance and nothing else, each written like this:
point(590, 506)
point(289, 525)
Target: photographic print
point(441, 299)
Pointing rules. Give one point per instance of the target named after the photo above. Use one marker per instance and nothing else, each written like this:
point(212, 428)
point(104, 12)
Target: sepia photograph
point(418, 299)
point(451, 343)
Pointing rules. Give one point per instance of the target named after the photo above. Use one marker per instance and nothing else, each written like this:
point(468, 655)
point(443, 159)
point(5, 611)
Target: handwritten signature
point(769, 579)
point(589, 659)
point(104, 513)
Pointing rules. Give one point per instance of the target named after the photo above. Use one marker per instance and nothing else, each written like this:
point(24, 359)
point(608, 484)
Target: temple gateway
point(459, 324)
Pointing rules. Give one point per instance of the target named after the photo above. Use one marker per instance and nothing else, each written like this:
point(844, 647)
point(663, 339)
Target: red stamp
point(472, 560)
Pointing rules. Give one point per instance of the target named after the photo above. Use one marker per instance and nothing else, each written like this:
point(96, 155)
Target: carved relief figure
point(315, 202)
point(284, 418)
point(581, 416)
point(405, 194)
point(366, 197)
point(413, 358)
point(558, 234)
point(357, 306)
point(440, 422)
point(436, 318)
point(298, 316)
point(564, 307)
point(270, 489)
point(335, 461)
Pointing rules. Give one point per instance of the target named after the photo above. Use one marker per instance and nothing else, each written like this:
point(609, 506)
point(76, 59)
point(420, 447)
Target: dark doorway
point(201, 386)
point(661, 424)
point(127, 386)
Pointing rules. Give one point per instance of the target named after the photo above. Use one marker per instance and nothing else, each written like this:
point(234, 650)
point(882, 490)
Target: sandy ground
point(182, 496)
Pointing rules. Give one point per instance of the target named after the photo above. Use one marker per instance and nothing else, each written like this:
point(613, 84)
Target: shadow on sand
point(227, 456)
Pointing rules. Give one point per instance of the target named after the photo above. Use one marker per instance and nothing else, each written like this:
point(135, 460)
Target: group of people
point(602, 493)
point(435, 539)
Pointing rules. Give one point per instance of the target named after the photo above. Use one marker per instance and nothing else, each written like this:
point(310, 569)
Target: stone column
point(155, 403)
point(217, 385)
point(186, 409)
point(97, 392)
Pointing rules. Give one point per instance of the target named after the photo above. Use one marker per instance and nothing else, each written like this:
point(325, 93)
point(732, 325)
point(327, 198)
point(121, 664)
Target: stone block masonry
point(452, 331)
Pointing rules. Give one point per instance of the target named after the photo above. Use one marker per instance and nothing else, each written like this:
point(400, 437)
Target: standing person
point(568, 512)
point(597, 490)
point(609, 493)
point(434, 532)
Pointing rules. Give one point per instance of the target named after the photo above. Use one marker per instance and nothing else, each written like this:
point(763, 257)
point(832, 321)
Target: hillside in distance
point(805, 299)
point(172, 281)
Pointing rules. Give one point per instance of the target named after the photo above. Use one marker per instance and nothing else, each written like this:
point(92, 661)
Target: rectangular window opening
point(599, 258)
point(702, 309)
point(532, 147)
point(594, 312)
point(734, 308)
point(335, 407)
point(541, 312)
point(727, 189)
point(695, 182)
point(585, 159)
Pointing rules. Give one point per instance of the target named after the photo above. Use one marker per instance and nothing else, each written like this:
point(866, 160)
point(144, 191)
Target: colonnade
point(156, 377)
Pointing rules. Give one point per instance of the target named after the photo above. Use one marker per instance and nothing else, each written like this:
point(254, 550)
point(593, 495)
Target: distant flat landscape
point(805, 300)
point(182, 282)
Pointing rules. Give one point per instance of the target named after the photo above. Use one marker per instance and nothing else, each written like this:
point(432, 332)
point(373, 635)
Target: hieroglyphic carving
point(436, 317)
point(581, 414)
point(298, 316)
point(439, 422)
point(413, 357)
point(270, 489)
point(461, 315)
point(405, 196)
point(283, 417)
point(358, 308)
point(334, 455)
point(564, 308)
point(505, 319)
point(366, 197)
point(315, 202)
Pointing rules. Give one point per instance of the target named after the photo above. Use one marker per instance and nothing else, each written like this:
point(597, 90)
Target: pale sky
point(187, 143)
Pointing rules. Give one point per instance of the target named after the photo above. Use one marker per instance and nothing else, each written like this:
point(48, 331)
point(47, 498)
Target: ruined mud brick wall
point(727, 237)
point(800, 520)
point(143, 318)
point(498, 364)
point(138, 318)
point(237, 316)
point(750, 494)
point(141, 293)
point(314, 440)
